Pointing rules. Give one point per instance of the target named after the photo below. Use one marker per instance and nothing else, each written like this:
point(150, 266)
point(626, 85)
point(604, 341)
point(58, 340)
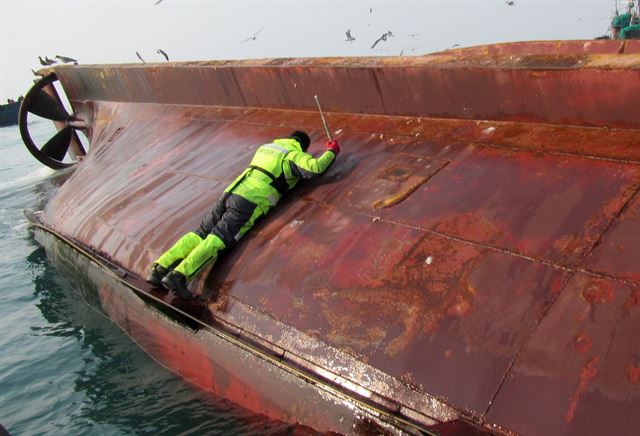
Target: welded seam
point(554, 152)
point(245, 343)
point(555, 265)
point(411, 190)
point(239, 88)
point(622, 210)
point(376, 83)
point(548, 308)
point(534, 329)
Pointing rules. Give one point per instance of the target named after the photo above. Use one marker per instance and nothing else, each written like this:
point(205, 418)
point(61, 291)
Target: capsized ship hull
point(470, 260)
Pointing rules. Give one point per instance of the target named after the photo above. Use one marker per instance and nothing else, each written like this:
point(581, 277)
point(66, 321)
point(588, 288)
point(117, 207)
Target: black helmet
point(302, 138)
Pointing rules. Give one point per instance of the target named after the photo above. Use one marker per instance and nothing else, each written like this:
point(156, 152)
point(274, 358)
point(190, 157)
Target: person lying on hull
point(275, 169)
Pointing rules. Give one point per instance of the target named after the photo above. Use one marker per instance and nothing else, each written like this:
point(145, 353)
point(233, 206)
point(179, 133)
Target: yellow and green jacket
point(276, 168)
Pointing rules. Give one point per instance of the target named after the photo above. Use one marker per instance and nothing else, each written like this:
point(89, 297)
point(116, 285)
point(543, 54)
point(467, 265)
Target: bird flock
point(47, 62)
point(62, 60)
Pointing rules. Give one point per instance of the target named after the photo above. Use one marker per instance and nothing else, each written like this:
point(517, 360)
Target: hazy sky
point(101, 31)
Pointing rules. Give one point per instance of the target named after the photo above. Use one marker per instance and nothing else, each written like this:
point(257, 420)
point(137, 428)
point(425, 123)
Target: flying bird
point(349, 37)
point(67, 60)
point(510, 2)
point(158, 2)
point(140, 57)
point(382, 38)
point(252, 37)
point(163, 53)
point(46, 62)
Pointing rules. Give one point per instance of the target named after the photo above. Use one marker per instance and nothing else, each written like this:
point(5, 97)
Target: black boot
point(177, 282)
point(156, 275)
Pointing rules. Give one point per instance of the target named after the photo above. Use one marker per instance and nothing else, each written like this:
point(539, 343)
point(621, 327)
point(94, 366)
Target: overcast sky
point(111, 31)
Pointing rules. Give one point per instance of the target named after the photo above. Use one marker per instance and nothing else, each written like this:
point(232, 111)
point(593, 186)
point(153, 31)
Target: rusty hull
point(473, 253)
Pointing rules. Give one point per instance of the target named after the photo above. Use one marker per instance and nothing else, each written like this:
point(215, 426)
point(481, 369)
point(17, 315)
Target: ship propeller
point(48, 105)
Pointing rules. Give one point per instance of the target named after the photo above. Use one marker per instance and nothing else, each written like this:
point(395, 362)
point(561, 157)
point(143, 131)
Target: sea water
point(64, 367)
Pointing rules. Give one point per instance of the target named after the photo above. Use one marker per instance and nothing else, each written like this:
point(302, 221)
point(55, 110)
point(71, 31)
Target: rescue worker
point(275, 169)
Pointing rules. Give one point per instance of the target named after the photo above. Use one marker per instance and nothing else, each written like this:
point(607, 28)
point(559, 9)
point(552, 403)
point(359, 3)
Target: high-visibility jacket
point(276, 168)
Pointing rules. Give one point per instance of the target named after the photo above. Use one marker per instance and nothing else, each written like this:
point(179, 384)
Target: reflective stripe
point(277, 148)
point(272, 199)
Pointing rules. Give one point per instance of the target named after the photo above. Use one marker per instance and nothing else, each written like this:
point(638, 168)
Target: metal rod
point(324, 122)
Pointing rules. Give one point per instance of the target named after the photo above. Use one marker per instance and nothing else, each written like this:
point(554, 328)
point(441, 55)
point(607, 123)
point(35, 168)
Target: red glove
point(333, 146)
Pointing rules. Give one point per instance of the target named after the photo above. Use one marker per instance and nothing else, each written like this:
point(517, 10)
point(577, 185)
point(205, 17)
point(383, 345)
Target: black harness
point(279, 183)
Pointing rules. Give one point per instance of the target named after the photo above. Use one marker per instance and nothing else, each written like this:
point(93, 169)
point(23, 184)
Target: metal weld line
point(234, 339)
point(527, 339)
point(624, 207)
point(394, 201)
point(487, 246)
point(554, 152)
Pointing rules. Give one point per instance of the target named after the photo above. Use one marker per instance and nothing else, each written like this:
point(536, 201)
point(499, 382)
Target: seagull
point(158, 2)
point(46, 62)
point(349, 37)
point(140, 57)
point(510, 2)
point(163, 53)
point(252, 37)
point(67, 60)
point(382, 38)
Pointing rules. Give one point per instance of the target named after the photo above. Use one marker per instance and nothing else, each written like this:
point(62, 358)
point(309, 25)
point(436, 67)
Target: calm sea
point(64, 367)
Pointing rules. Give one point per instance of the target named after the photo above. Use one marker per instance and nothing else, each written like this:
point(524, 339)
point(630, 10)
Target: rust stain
point(598, 292)
point(412, 328)
point(499, 188)
point(633, 301)
point(634, 373)
point(583, 343)
point(588, 372)
point(395, 199)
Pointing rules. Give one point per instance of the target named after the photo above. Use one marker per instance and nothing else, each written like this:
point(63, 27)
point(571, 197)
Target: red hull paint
point(474, 241)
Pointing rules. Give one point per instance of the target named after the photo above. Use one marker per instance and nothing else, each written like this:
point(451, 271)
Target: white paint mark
point(489, 130)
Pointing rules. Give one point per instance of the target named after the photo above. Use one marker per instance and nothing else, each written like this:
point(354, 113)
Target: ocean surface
point(64, 367)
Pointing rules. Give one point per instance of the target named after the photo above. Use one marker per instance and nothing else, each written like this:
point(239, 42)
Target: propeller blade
point(44, 105)
point(57, 147)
